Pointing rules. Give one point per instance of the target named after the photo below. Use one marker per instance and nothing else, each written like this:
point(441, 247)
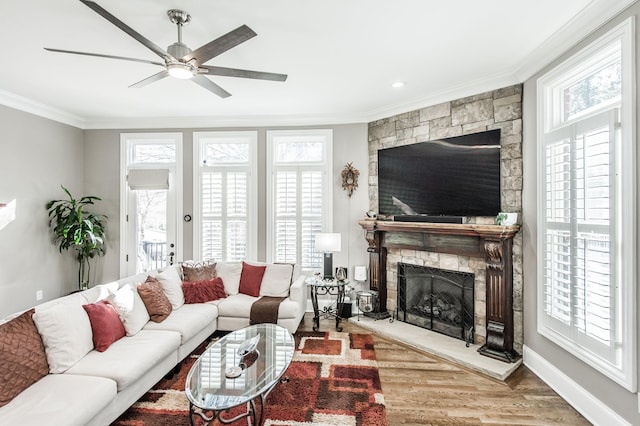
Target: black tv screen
point(457, 176)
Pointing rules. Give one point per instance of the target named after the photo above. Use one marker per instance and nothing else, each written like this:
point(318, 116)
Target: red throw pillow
point(203, 291)
point(251, 279)
point(105, 324)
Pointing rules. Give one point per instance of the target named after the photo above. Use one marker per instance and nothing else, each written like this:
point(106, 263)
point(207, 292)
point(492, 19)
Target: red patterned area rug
point(333, 381)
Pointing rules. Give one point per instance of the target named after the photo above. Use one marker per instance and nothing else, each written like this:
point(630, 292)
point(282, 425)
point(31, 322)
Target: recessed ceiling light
point(397, 84)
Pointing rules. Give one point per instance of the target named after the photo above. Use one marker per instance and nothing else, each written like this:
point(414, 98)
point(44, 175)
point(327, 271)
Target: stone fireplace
point(437, 299)
point(495, 109)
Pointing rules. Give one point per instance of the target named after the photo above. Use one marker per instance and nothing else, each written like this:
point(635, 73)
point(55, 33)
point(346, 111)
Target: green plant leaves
point(76, 229)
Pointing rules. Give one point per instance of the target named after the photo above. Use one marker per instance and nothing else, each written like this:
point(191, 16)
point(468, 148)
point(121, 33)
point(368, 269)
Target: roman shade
point(148, 179)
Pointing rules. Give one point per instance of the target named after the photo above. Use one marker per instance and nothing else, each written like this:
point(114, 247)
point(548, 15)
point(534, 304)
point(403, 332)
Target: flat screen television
point(457, 176)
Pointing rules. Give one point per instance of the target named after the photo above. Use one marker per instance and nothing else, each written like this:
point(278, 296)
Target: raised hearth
point(453, 350)
point(493, 243)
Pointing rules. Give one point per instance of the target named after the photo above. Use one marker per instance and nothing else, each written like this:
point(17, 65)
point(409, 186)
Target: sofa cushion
point(251, 279)
point(171, 283)
point(106, 326)
point(157, 304)
point(22, 358)
point(60, 399)
point(130, 357)
point(277, 280)
point(130, 308)
point(198, 271)
point(239, 306)
point(65, 330)
point(203, 291)
point(230, 274)
point(189, 320)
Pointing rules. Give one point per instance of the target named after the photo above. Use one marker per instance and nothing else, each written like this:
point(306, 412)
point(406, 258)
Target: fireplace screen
point(437, 299)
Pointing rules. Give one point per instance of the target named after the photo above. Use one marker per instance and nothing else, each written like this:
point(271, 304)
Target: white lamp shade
point(360, 273)
point(328, 242)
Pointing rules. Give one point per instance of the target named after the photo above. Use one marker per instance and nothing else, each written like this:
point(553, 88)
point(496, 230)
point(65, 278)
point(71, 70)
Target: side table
point(323, 287)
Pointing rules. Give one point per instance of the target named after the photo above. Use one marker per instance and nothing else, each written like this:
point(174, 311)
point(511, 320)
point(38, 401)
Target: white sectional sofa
point(99, 386)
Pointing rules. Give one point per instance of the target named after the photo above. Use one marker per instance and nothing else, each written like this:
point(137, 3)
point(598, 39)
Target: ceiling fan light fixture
point(181, 71)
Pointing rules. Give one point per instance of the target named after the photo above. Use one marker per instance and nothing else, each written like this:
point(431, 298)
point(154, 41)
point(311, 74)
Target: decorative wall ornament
point(350, 178)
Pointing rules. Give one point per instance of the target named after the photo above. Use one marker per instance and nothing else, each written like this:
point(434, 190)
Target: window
point(299, 195)
point(150, 201)
point(586, 206)
point(225, 171)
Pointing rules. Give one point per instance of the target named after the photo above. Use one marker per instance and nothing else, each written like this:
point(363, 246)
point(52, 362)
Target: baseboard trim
point(583, 401)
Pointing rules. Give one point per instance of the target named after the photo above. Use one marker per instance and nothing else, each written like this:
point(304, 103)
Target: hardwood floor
point(422, 389)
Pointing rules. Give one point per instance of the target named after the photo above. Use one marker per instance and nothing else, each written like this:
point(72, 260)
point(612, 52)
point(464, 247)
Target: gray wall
point(619, 399)
point(37, 155)
point(102, 166)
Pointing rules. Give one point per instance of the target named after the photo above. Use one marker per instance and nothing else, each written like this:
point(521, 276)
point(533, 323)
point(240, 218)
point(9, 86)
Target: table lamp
point(327, 243)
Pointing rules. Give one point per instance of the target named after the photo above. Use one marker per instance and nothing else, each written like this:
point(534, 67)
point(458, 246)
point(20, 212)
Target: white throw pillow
point(66, 332)
point(230, 273)
point(131, 309)
point(172, 285)
point(276, 280)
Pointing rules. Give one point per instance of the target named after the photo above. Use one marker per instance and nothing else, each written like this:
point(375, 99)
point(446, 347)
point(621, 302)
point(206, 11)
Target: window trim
point(624, 371)
point(252, 201)
point(327, 208)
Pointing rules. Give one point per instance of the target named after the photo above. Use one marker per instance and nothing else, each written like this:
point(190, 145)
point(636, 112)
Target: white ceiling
point(341, 57)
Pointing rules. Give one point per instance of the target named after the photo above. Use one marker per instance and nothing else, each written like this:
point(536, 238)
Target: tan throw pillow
point(202, 271)
point(22, 358)
point(157, 303)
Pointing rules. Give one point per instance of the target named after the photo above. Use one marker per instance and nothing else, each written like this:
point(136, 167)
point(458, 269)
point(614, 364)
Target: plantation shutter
point(298, 214)
point(225, 181)
point(579, 290)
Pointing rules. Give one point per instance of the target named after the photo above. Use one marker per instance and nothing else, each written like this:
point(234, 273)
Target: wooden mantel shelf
point(469, 229)
point(494, 243)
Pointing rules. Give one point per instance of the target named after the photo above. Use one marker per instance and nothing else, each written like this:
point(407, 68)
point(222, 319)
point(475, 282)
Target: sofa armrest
point(298, 291)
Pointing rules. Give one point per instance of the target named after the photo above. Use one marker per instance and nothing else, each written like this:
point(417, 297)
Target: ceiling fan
point(180, 61)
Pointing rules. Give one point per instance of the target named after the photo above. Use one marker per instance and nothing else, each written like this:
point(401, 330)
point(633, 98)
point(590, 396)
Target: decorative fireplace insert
point(437, 299)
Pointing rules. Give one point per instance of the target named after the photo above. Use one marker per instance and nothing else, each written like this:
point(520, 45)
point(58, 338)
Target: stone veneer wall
point(497, 109)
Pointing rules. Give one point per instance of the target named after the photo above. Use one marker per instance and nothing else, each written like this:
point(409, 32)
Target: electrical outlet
point(39, 295)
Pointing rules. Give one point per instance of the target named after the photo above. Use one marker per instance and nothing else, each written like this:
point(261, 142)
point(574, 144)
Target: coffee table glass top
point(209, 388)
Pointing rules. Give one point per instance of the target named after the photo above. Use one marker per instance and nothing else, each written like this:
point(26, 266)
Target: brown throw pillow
point(22, 358)
point(202, 271)
point(203, 291)
point(156, 302)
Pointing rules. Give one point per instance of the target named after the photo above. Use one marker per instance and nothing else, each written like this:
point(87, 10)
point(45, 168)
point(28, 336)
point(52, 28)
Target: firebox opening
point(437, 299)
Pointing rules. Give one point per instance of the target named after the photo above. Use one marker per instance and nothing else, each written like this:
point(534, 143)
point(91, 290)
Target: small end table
point(323, 287)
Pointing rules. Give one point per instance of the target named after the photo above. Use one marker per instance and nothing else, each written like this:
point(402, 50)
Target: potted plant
point(75, 228)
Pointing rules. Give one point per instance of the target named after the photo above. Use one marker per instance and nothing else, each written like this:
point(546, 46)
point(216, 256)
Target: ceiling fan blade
point(234, 72)
point(210, 85)
point(127, 29)
point(151, 79)
point(220, 45)
point(100, 55)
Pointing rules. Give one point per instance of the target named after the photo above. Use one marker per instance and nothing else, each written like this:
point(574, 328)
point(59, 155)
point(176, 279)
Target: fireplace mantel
point(492, 242)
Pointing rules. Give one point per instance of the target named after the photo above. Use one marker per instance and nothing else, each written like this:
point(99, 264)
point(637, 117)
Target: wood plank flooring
point(422, 389)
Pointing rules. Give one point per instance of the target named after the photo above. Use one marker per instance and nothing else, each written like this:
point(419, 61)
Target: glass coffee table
point(222, 378)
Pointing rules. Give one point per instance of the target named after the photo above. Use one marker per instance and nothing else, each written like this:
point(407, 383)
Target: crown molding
point(592, 17)
point(221, 121)
point(42, 110)
point(470, 88)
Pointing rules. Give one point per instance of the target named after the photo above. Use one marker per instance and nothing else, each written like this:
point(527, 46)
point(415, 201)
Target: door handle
point(171, 258)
